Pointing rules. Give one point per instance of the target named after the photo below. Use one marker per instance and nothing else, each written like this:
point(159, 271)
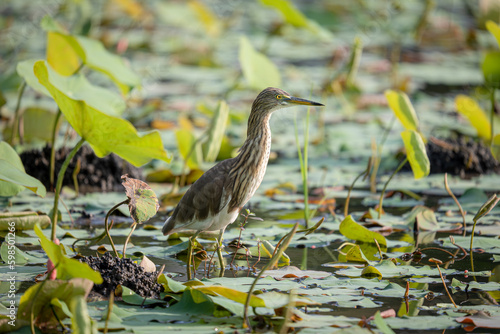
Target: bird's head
point(271, 99)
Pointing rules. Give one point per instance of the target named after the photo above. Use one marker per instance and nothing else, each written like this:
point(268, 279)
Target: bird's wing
point(206, 197)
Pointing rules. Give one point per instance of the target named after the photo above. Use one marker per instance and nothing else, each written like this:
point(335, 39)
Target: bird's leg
point(192, 240)
point(219, 252)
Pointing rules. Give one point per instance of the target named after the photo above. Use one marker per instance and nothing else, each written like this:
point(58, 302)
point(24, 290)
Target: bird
point(215, 200)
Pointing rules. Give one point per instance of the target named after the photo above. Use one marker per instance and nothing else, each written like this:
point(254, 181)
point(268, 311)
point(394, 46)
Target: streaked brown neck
point(251, 162)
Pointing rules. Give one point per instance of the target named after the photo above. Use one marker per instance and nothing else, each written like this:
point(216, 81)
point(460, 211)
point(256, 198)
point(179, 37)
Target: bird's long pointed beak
point(297, 100)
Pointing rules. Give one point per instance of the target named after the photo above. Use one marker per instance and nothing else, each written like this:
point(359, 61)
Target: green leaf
point(25, 70)
point(38, 297)
point(475, 286)
point(258, 70)
point(388, 269)
point(381, 324)
point(487, 244)
point(495, 147)
point(98, 58)
point(61, 54)
point(39, 124)
point(143, 202)
point(62, 305)
point(13, 178)
point(354, 254)
point(426, 219)
point(234, 295)
point(193, 303)
point(371, 272)
point(486, 207)
point(77, 87)
point(104, 133)
point(475, 114)
point(268, 250)
point(491, 69)
point(81, 323)
point(354, 231)
point(91, 52)
point(66, 268)
point(403, 109)
point(23, 220)
point(11, 253)
point(494, 29)
point(130, 297)
point(416, 153)
point(290, 13)
point(189, 148)
point(216, 132)
point(207, 17)
point(171, 285)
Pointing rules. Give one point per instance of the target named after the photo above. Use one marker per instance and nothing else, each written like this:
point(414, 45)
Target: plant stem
point(303, 165)
point(424, 20)
point(16, 114)
point(462, 213)
point(352, 70)
point(471, 253)
point(106, 225)
point(134, 225)
point(275, 258)
point(492, 98)
point(377, 149)
point(111, 303)
point(445, 287)
point(60, 178)
point(53, 148)
point(53, 140)
point(366, 172)
point(386, 184)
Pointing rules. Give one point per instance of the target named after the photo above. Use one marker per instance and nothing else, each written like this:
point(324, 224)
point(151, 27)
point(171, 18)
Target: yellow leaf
point(61, 54)
point(258, 70)
point(477, 117)
point(354, 231)
point(232, 294)
point(103, 132)
point(416, 153)
point(290, 13)
point(206, 17)
point(403, 109)
point(133, 8)
point(494, 29)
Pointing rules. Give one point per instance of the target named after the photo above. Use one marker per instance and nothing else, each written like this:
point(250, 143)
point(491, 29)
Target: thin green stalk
point(303, 264)
point(386, 184)
point(111, 303)
point(470, 248)
point(462, 213)
point(132, 229)
point(106, 225)
point(15, 125)
point(287, 319)
point(53, 148)
point(492, 98)
point(303, 159)
point(445, 287)
point(270, 264)
point(53, 139)
point(424, 19)
point(60, 178)
point(376, 157)
point(357, 51)
point(365, 173)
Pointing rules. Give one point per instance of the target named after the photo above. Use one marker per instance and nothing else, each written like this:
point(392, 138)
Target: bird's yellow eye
point(279, 97)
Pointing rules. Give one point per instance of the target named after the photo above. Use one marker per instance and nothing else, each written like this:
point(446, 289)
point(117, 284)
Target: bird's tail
point(169, 225)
